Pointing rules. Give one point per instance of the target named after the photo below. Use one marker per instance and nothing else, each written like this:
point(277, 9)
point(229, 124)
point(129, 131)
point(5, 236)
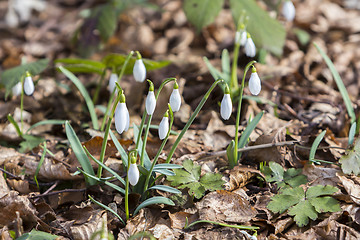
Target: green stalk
point(22, 104)
point(131, 154)
point(149, 121)
point(159, 151)
point(98, 87)
point(232, 164)
point(113, 93)
point(141, 128)
point(234, 86)
point(192, 118)
point(221, 224)
point(104, 143)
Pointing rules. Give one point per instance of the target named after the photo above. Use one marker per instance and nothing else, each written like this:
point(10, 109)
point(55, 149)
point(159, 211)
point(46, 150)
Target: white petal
point(175, 100)
point(11, 18)
point(254, 84)
point(150, 103)
point(121, 119)
point(163, 128)
point(133, 174)
point(127, 123)
point(243, 38)
point(29, 86)
point(113, 79)
point(250, 49)
point(226, 107)
point(288, 10)
point(16, 90)
point(139, 70)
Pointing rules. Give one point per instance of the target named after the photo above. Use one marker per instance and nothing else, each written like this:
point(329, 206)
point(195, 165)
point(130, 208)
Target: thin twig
point(19, 178)
point(57, 192)
point(250, 148)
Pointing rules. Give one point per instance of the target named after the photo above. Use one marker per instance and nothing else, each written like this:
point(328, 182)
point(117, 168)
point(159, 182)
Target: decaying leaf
point(352, 187)
point(226, 206)
point(84, 231)
point(178, 219)
point(239, 177)
point(11, 203)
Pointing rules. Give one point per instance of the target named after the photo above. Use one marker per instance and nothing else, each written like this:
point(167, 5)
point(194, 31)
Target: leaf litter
point(299, 83)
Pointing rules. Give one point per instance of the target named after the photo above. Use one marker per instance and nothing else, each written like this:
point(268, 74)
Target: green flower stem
point(127, 186)
point(113, 93)
point(149, 121)
point(141, 128)
point(98, 87)
point(22, 104)
point(232, 164)
point(192, 118)
point(104, 143)
point(159, 151)
point(234, 80)
point(221, 224)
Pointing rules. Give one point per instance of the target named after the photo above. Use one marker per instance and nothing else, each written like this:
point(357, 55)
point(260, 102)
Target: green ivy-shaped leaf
point(190, 178)
point(292, 177)
point(30, 142)
point(350, 163)
point(304, 206)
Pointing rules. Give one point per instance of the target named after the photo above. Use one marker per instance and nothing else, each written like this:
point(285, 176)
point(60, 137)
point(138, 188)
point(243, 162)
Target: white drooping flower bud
point(254, 82)
point(16, 90)
point(241, 36)
point(175, 98)
point(11, 18)
point(112, 82)
point(122, 118)
point(164, 126)
point(250, 48)
point(226, 105)
point(133, 174)
point(288, 10)
point(28, 85)
point(150, 102)
point(139, 70)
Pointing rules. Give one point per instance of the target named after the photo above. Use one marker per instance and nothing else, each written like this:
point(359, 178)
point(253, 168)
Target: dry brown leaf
point(4, 189)
point(178, 219)
point(223, 206)
point(11, 203)
point(84, 231)
point(352, 187)
point(162, 232)
point(49, 170)
point(318, 175)
point(239, 177)
point(94, 146)
point(19, 185)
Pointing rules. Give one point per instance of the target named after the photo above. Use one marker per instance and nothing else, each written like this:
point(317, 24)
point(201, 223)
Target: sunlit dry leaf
point(239, 177)
point(352, 187)
point(162, 232)
point(49, 170)
point(4, 189)
point(94, 146)
point(222, 206)
point(319, 175)
point(19, 185)
point(178, 219)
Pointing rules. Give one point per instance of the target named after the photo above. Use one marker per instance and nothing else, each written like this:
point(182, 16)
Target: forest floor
point(299, 98)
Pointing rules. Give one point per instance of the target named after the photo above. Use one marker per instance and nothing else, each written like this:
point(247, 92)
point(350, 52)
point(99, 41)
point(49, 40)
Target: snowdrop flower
point(254, 82)
point(288, 10)
point(150, 100)
point(226, 105)
point(175, 98)
point(122, 118)
point(112, 82)
point(133, 173)
point(164, 126)
point(28, 85)
point(250, 48)
point(139, 70)
point(241, 36)
point(16, 90)
point(24, 9)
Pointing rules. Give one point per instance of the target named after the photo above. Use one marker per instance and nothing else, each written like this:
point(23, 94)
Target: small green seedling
point(305, 205)
point(190, 178)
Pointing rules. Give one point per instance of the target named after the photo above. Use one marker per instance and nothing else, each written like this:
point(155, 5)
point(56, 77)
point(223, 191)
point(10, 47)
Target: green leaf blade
point(320, 190)
point(302, 212)
point(154, 200)
point(79, 153)
point(265, 31)
point(202, 12)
